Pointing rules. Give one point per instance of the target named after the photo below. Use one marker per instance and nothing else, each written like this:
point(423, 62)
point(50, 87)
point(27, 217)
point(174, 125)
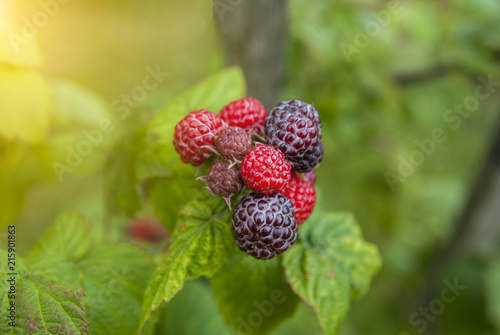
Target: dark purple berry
point(294, 127)
point(300, 107)
point(264, 225)
point(233, 142)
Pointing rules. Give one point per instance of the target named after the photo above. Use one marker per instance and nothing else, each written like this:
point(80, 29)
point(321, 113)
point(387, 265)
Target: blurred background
point(409, 95)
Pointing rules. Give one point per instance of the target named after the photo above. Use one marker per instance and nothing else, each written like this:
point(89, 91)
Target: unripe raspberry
point(224, 180)
point(264, 225)
point(303, 197)
point(265, 169)
point(193, 133)
point(233, 143)
point(247, 113)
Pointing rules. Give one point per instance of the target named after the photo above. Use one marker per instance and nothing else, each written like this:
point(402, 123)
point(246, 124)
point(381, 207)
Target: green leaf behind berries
point(201, 243)
point(246, 287)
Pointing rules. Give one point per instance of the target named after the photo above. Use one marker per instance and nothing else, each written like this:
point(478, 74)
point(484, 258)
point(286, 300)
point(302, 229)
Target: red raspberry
point(247, 113)
point(265, 169)
point(303, 197)
point(196, 130)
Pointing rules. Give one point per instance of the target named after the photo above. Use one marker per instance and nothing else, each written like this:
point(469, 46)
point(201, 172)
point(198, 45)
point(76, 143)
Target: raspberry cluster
point(281, 171)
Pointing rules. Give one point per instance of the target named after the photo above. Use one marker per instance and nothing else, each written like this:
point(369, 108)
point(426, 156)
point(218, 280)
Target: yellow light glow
point(3, 22)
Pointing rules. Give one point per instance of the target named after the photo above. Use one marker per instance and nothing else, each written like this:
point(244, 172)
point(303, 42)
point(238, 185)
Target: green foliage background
point(95, 51)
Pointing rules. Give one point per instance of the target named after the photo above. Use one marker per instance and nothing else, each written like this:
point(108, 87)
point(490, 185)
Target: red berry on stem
point(265, 169)
point(196, 130)
point(247, 113)
point(303, 197)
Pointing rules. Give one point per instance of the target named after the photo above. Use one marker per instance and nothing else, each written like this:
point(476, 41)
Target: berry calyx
point(194, 133)
point(264, 225)
point(247, 113)
point(303, 197)
point(233, 143)
point(265, 169)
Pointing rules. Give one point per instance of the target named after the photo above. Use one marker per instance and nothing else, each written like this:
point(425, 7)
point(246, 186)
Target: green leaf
point(122, 194)
point(330, 265)
point(78, 116)
point(68, 239)
point(253, 295)
point(112, 275)
point(201, 243)
point(74, 107)
point(211, 94)
point(303, 322)
point(493, 293)
point(194, 303)
point(114, 278)
point(42, 305)
point(168, 195)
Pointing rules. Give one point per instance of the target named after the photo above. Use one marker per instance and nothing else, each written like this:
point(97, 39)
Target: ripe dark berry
point(300, 107)
point(264, 225)
point(303, 197)
point(310, 177)
point(196, 130)
point(247, 113)
point(265, 169)
point(233, 142)
point(224, 180)
point(295, 128)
